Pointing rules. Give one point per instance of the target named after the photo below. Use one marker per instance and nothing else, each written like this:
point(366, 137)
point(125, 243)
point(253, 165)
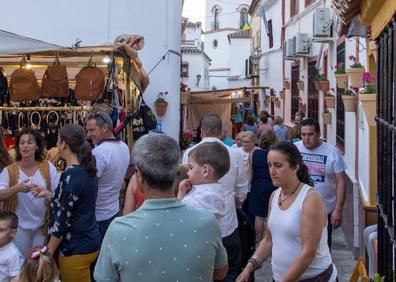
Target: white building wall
point(96, 22)
point(229, 16)
point(193, 33)
point(364, 149)
point(197, 64)
point(220, 55)
point(240, 51)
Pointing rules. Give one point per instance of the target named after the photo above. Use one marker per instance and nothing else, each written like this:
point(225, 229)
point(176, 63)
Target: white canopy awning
point(11, 43)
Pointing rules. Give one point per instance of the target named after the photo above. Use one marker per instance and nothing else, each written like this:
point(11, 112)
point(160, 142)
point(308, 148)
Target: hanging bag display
point(55, 81)
point(23, 85)
point(90, 82)
point(143, 119)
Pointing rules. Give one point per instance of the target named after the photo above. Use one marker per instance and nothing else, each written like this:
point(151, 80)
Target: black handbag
point(143, 119)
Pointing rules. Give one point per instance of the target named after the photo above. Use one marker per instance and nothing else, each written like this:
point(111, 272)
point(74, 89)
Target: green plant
point(369, 89)
point(340, 69)
point(356, 63)
point(378, 278)
point(349, 92)
point(161, 97)
point(319, 77)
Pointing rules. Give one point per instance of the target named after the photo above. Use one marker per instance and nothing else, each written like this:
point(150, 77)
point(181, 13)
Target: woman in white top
point(296, 236)
point(17, 182)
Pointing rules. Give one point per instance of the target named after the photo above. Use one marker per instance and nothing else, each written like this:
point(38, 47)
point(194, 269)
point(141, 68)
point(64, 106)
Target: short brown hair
point(11, 217)
point(211, 125)
point(214, 154)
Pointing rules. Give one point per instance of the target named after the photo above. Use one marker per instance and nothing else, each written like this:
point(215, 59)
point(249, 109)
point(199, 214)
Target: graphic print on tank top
point(316, 165)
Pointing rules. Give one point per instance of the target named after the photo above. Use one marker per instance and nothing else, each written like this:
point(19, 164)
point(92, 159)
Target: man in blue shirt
point(164, 240)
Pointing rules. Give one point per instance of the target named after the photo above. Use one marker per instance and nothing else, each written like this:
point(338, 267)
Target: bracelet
point(256, 261)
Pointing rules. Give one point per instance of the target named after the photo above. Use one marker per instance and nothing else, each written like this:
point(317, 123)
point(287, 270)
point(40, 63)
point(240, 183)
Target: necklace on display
point(288, 196)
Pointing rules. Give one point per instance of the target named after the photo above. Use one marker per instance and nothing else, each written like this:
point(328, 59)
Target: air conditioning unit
point(301, 44)
point(290, 48)
point(322, 23)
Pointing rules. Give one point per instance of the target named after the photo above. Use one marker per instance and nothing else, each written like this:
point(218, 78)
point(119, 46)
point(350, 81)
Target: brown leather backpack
point(90, 82)
point(55, 82)
point(24, 86)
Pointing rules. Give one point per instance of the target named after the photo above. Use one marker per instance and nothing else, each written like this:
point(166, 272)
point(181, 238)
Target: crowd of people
point(179, 219)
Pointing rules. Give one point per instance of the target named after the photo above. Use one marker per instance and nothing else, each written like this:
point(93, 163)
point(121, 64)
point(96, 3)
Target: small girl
point(38, 266)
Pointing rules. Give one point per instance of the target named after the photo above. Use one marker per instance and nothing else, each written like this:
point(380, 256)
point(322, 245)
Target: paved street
point(342, 256)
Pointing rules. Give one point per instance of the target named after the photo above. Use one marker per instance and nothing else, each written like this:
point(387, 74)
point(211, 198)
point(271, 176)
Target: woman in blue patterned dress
point(73, 227)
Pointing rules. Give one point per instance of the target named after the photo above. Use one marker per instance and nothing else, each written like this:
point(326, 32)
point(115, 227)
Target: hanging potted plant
point(326, 116)
point(341, 76)
point(368, 98)
point(321, 82)
point(329, 99)
point(300, 85)
point(302, 107)
point(277, 102)
point(184, 93)
point(161, 104)
point(355, 73)
point(349, 100)
point(286, 83)
point(282, 94)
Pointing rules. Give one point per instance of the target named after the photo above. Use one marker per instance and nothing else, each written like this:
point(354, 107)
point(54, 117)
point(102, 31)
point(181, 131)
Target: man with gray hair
point(112, 160)
point(235, 188)
point(164, 240)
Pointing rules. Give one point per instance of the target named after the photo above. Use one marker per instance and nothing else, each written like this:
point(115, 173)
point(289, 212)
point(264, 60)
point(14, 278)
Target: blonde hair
point(250, 135)
point(267, 139)
point(278, 120)
point(40, 269)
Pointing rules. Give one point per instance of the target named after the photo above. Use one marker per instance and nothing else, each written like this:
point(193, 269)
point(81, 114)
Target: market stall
point(47, 86)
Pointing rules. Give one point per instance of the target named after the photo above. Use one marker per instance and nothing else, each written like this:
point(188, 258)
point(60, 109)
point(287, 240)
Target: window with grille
point(293, 8)
point(340, 124)
point(386, 140)
point(295, 94)
point(313, 97)
point(184, 69)
point(270, 36)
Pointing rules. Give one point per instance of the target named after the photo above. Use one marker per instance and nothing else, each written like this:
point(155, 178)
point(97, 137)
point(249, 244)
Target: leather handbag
point(90, 82)
point(55, 83)
point(24, 86)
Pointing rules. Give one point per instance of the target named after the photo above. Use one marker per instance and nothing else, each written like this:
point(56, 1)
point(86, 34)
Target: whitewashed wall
point(229, 16)
point(197, 64)
point(99, 21)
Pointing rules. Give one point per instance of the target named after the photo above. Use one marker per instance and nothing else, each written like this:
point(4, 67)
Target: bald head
point(211, 126)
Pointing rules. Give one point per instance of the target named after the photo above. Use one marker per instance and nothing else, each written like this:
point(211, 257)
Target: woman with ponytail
point(73, 228)
point(38, 266)
point(297, 225)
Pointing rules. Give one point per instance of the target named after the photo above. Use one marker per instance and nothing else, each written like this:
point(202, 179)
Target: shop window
point(184, 69)
point(313, 97)
point(270, 36)
point(293, 8)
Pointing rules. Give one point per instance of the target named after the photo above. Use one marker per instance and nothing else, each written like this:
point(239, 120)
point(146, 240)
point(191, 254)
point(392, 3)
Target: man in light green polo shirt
point(163, 240)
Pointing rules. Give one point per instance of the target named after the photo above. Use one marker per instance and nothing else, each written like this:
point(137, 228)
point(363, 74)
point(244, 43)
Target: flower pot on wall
point(286, 84)
point(342, 80)
point(355, 77)
point(326, 118)
point(300, 85)
point(184, 97)
point(317, 85)
point(369, 104)
point(160, 108)
point(349, 103)
point(330, 102)
point(277, 104)
point(282, 94)
point(302, 107)
point(324, 85)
